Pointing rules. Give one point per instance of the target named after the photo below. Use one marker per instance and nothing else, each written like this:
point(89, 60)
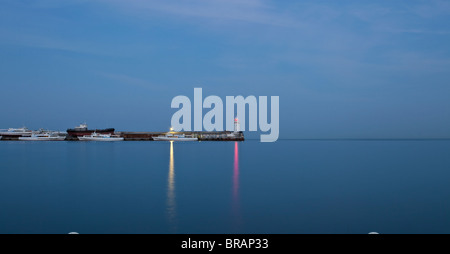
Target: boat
point(43, 137)
point(24, 131)
point(100, 137)
point(82, 130)
point(175, 137)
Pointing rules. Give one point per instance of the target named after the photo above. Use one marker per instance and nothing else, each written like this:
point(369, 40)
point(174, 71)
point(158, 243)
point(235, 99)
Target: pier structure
point(148, 136)
point(201, 135)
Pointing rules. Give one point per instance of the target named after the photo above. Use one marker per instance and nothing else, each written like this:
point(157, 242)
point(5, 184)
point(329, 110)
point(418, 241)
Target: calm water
point(290, 186)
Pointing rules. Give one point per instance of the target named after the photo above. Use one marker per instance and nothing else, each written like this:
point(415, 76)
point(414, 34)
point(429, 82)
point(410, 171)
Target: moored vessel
point(100, 137)
point(82, 130)
point(18, 132)
point(43, 137)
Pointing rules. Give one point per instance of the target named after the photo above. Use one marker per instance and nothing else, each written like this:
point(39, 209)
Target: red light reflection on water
point(237, 224)
point(236, 170)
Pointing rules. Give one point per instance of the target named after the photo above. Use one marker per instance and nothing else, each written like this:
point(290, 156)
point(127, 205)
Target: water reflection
point(171, 205)
point(236, 208)
point(236, 172)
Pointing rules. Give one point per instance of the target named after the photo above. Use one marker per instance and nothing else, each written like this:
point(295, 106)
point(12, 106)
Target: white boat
point(43, 137)
point(175, 137)
point(100, 137)
point(24, 131)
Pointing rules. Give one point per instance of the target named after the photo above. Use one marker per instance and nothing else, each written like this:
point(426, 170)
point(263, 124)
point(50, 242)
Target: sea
point(249, 187)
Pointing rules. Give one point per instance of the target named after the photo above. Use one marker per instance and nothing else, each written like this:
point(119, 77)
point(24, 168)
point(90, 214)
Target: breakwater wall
point(201, 135)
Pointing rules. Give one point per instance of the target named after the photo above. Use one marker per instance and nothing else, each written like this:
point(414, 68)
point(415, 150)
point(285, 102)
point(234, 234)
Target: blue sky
point(342, 69)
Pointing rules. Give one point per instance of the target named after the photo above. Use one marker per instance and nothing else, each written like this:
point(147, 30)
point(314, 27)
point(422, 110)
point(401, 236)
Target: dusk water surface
point(289, 186)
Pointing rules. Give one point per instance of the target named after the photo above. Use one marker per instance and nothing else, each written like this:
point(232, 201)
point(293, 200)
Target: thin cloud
point(250, 11)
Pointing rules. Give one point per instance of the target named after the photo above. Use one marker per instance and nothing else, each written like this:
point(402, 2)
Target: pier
point(148, 136)
point(201, 135)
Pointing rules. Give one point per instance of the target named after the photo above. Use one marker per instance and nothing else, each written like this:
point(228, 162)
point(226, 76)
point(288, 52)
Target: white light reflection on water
point(171, 204)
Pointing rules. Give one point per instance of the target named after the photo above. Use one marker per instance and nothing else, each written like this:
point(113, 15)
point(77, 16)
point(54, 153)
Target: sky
point(342, 69)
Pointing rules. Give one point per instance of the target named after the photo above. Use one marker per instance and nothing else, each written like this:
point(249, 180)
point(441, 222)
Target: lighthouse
point(236, 125)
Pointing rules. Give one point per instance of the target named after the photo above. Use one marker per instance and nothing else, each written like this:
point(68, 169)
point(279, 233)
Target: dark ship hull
point(80, 133)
